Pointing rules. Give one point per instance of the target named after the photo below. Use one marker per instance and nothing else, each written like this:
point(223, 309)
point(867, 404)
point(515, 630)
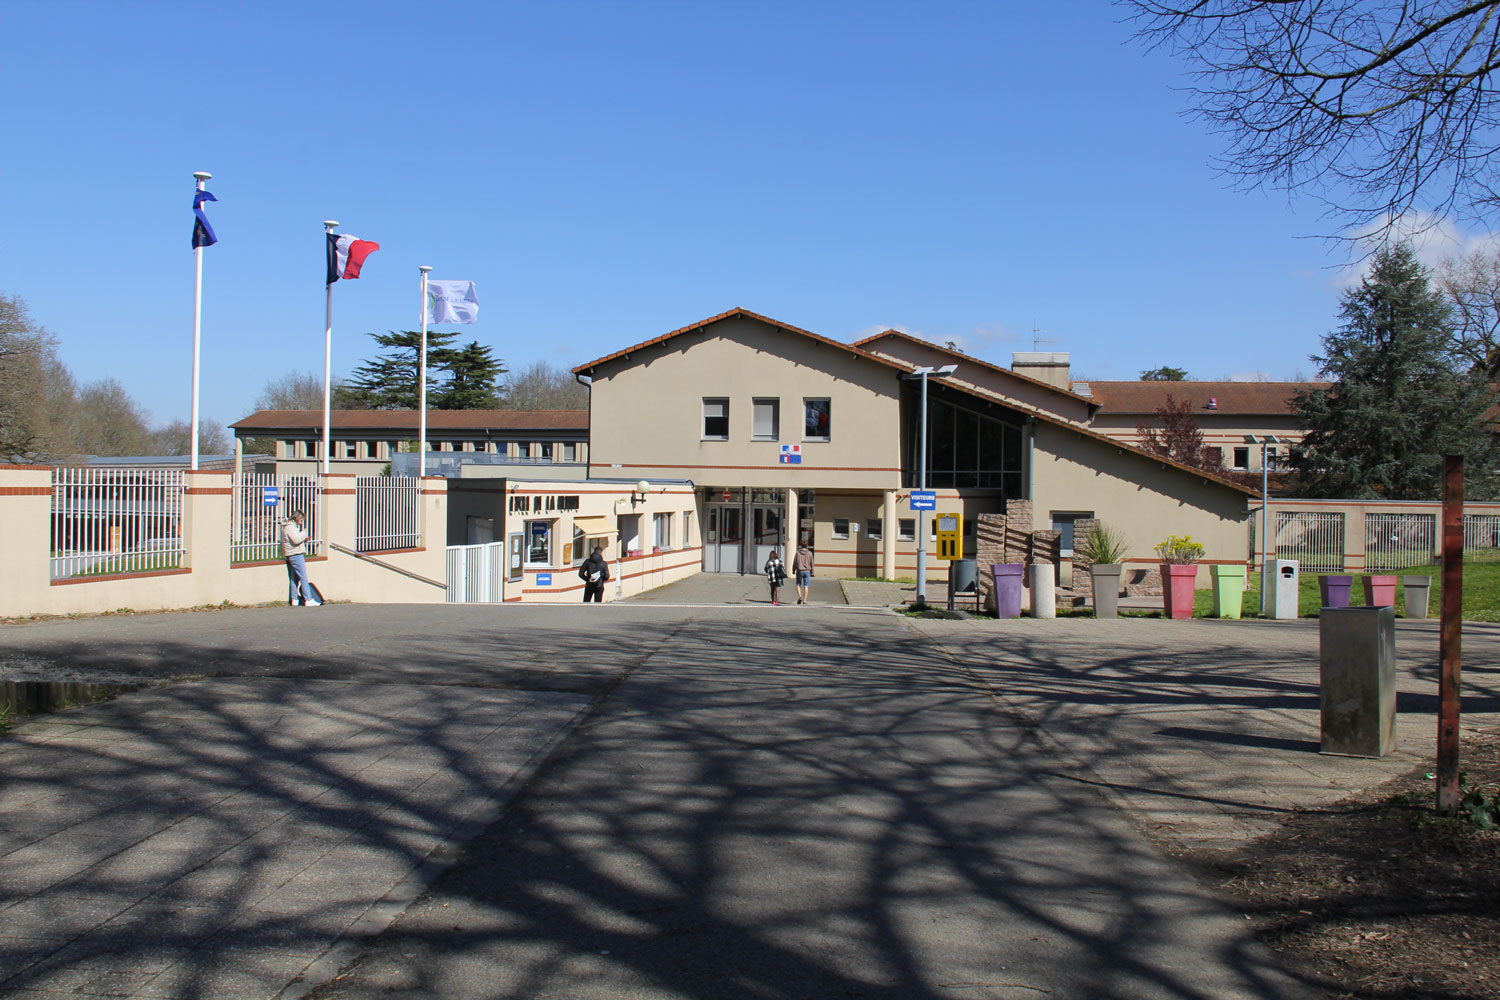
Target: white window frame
point(874, 528)
point(806, 400)
point(774, 404)
point(906, 529)
point(661, 531)
point(703, 422)
point(835, 527)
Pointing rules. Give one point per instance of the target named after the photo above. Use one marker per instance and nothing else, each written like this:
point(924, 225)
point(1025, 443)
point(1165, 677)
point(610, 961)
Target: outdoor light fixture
point(920, 374)
point(639, 496)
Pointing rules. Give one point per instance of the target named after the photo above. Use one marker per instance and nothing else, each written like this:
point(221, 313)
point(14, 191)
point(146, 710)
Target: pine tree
point(390, 381)
point(1402, 397)
point(473, 379)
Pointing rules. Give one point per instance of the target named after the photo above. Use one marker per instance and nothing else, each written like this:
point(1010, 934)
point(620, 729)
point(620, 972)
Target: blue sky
point(606, 172)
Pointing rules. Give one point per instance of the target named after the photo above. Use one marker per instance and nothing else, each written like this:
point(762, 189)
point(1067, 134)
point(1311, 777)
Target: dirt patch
point(1377, 896)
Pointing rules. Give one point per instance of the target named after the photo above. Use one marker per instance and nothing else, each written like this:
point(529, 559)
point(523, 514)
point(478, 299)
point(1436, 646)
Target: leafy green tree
point(1164, 374)
point(1403, 394)
point(390, 381)
point(472, 383)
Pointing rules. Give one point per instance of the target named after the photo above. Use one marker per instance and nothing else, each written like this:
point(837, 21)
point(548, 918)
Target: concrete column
point(25, 534)
point(890, 528)
point(205, 533)
point(789, 544)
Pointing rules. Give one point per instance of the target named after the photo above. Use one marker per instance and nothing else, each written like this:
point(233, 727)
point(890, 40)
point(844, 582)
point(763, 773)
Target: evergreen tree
point(390, 382)
point(1402, 397)
point(473, 374)
point(1164, 374)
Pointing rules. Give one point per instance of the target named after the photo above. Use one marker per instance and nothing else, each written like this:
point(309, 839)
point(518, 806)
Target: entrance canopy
point(595, 525)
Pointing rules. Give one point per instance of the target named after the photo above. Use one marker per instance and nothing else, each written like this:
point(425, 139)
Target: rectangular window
point(873, 527)
point(841, 527)
point(1242, 458)
point(906, 529)
point(687, 527)
point(570, 452)
point(715, 419)
point(765, 419)
point(539, 543)
point(1271, 462)
point(816, 414)
point(1062, 523)
point(546, 451)
point(661, 535)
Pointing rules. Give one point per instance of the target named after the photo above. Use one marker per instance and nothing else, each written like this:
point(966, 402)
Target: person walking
point(802, 569)
point(294, 551)
point(594, 573)
point(775, 574)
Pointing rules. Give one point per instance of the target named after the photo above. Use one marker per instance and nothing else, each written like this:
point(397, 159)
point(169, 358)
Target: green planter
point(1229, 590)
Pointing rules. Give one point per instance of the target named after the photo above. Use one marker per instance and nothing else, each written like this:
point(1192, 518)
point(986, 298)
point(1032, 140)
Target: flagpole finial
point(202, 175)
point(424, 268)
point(330, 224)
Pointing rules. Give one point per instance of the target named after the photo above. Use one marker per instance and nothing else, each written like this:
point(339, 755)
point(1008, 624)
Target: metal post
point(201, 176)
point(922, 485)
point(1265, 505)
point(328, 227)
point(1450, 644)
point(422, 380)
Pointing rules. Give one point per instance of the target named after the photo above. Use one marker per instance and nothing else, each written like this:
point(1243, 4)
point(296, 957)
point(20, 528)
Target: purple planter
point(1007, 589)
point(1333, 591)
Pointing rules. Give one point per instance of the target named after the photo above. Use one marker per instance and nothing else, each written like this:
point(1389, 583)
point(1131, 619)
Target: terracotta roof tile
point(970, 359)
point(406, 420)
point(1144, 398)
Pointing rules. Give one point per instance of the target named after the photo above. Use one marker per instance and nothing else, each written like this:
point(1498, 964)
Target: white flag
point(451, 302)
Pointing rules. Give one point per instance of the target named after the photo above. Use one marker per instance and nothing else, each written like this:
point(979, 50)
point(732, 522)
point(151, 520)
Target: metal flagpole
point(422, 381)
point(201, 176)
point(329, 226)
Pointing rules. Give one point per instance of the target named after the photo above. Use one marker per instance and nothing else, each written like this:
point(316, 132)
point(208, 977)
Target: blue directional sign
point(544, 579)
point(269, 495)
point(924, 500)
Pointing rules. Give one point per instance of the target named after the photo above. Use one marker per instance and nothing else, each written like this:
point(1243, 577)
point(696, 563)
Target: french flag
point(346, 255)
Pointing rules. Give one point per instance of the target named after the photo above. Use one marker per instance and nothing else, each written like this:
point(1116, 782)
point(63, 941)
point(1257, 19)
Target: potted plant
point(1103, 548)
point(1179, 556)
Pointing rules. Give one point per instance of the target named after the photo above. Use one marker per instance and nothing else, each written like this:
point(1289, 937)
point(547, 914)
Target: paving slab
point(216, 838)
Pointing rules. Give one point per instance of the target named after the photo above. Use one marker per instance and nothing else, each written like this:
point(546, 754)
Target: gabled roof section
point(502, 420)
point(1238, 398)
point(1092, 403)
point(588, 367)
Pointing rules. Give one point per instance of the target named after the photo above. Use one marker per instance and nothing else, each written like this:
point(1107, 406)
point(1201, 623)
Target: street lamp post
point(920, 374)
point(1265, 503)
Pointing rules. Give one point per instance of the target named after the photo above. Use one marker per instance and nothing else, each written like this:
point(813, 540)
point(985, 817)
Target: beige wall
point(1226, 432)
point(1144, 499)
point(629, 574)
point(206, 576)
point(646, 411)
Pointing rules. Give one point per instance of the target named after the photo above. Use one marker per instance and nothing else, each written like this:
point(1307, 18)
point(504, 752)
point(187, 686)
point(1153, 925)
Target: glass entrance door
point(768, 536)
point(723, 537)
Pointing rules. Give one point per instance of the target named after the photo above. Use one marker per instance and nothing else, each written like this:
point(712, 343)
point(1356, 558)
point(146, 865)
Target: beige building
point(787, 436)
point(364, 441)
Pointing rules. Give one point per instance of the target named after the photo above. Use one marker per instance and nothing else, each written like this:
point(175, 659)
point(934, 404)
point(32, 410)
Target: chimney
point(1046, 366)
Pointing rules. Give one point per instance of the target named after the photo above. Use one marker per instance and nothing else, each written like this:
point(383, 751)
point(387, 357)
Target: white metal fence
point(386, 513)
point(259, 503)
point(115, 520)
point(1314, 539)
point(1481, 531)
point(476, 573)
point(1399, 541)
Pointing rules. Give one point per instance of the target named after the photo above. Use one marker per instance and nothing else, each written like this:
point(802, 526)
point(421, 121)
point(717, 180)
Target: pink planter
point(1178, 582)
point(1380, 591)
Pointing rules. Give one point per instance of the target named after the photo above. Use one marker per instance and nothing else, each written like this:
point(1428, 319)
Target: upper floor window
point(715, 419)
point(1242, 458)
point(816, 414)
point(765, 419)
point(546, 451)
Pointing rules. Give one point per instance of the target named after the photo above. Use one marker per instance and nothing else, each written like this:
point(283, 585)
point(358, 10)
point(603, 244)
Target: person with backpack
point(594, 573)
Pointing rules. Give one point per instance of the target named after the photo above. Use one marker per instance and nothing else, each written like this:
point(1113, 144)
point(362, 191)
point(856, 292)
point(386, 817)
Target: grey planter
point(1418, 594)
point(1106, 579)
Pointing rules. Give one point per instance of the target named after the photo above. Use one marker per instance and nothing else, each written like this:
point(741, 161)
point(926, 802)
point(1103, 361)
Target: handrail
point(386, 565)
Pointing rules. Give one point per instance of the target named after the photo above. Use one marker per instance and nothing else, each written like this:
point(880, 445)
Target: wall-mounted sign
point(791, 454)
point(522, 504)
point(544, 579)
point(270, 495)
point(726, 494)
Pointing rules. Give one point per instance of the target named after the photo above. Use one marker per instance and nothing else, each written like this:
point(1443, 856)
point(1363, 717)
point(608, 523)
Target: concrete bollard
point(1357, 671)
point(1043, 590)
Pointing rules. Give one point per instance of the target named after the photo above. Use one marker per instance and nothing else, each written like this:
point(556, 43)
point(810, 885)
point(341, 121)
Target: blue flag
point(203, 233)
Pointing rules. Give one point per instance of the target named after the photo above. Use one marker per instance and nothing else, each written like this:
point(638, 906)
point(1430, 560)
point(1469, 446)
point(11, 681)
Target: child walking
point(775, 574)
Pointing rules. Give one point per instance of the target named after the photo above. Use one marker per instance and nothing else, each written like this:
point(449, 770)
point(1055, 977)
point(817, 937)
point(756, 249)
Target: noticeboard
point(950, 536)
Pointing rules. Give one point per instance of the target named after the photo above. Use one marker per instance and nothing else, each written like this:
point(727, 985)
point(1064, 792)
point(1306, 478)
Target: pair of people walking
point(802, 570)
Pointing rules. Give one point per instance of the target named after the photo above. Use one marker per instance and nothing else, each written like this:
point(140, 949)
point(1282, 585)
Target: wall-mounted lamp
point(639, 496)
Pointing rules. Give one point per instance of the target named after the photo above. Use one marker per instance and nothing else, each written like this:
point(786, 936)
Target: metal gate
point(476, 573)
point(1316, 540)
point(1399, 541)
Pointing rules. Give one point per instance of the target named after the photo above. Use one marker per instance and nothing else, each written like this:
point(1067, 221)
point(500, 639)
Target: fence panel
point(386, 513)
point(1315, 540)
point(1481, 531)
point(1399, 541)
point(115, 520)
point(475, 573)
point(255, 524)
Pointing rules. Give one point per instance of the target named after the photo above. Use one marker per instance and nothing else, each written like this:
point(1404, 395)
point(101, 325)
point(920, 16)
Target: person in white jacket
point(294, 551)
